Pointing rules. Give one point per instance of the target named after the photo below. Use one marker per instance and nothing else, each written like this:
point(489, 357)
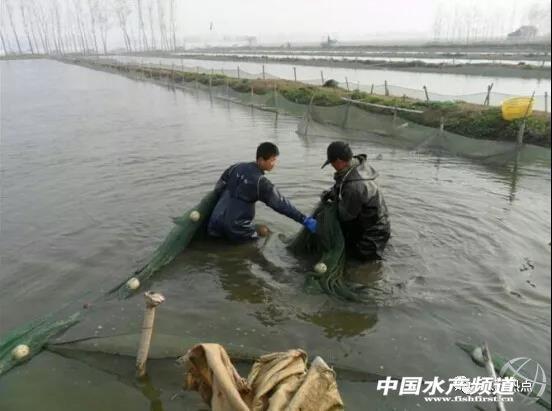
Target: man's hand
point(310, 223)
point(327, 196)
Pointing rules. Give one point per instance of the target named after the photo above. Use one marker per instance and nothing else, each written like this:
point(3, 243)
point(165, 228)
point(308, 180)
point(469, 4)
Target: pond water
point(95, 164)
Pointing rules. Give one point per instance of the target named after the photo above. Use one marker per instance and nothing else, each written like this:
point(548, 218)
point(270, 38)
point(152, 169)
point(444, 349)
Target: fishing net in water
point(328, 245)
point(28, 340)
point(186, 227)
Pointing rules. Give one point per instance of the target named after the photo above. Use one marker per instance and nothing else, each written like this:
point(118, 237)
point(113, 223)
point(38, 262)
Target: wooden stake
point(487, 101)
point(238, 72)
point(442, 126)
point(322, 76)
point(521, 130)
point(372, 89)
point(426, 94)
point(347, 83)
point(546, 101)
point(264, 72)
point(152, 301)
point(386, 88)
point(295, 74)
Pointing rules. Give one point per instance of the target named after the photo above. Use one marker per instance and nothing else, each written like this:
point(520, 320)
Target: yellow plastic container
point(517, 107)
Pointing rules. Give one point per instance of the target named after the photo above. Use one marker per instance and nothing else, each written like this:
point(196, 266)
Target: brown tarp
point(277, 382)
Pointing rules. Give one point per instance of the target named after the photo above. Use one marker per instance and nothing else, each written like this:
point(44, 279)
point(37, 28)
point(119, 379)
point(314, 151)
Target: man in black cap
point(361, 207)
point(239, 188)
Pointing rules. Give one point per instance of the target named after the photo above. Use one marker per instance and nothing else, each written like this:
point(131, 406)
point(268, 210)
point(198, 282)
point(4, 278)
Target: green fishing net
point(328, 245)
point(33, 336)
point(186, 227)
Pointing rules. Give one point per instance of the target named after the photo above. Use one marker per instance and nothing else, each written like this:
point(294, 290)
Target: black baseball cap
point(338, 150)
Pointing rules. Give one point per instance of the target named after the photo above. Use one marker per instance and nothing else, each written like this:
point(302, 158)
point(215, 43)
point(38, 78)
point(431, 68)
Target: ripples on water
point(93, 166)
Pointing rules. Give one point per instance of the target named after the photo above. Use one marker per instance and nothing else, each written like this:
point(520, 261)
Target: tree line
point(87, 26)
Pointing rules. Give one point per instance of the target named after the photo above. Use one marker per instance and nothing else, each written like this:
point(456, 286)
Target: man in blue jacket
point(239, 188)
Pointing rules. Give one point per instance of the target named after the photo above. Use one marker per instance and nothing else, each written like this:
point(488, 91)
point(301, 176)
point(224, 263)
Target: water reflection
point(248, 275)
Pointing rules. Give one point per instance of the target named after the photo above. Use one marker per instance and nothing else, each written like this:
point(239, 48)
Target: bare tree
point(152, 33)
point(80, 25)
point(10, 16)
point(33, 27)
point(162, 26)
point(141, 28)
point(104, 24)
point(122, 10)
point(41, 25)
point(25, 24)
point(93, 8)
point(4, 46)
point(57, 27)
point(172, 20)
point(2, 25)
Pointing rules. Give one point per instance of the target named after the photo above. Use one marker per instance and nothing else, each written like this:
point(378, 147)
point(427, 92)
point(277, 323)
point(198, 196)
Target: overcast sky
point(344, 18)
point(206, 22)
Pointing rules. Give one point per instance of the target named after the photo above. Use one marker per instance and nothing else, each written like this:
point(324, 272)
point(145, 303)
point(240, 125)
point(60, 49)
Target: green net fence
point(385, 125)
point(490, 97)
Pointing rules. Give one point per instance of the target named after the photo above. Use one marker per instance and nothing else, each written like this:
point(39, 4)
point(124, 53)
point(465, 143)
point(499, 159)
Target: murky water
point(93, 166)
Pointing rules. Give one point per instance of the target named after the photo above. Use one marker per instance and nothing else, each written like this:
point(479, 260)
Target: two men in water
point(361, 208)
point(239, 188)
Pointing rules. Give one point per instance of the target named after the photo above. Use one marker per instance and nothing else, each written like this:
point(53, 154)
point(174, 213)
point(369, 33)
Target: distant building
point(524, 32)
point(329, 42)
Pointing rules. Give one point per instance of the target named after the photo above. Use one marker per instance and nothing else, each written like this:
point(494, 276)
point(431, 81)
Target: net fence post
point(238, 72)
point(322, 76)
point(153, 300)
point(521, 130)
point(386, 88)
point(346, 117)
point(372, 89)
point(426, 94)
point(197, 77)
point(308, 114)
point(487, 101)
point(347, 83)
point(294, 74)
point(264, 77)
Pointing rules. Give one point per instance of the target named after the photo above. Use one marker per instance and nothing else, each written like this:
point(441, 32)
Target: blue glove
point(310, 223)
